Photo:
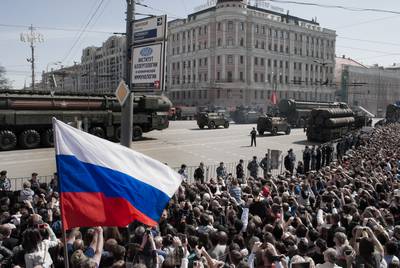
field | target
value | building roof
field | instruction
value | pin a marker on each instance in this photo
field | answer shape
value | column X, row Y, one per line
column 348, row 61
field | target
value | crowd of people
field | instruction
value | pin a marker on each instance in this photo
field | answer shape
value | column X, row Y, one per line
column 326, row 214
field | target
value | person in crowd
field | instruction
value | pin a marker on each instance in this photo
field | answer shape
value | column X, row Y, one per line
column 5, row 183
column 34, row 181
column 26, row 193
column 199, row 175
column 306, row 159
column 313, row 158
column 265, row 165
column 318, row 161
column 253, row 167
column 183, row 172
column 290, row 161
column 221, row 171
column 253, row 135
column 240, row 171
column 346, row 214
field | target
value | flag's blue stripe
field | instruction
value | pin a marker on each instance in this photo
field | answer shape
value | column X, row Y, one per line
column 77, row 176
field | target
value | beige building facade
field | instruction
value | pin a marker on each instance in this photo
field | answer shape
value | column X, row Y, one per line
column 235, row 54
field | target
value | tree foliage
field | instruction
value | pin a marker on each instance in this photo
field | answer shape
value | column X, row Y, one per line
column 4, row 83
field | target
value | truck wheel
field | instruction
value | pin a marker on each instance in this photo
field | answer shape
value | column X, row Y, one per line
column 8, row 140
column 48, row 138
column 29, row 139
column 98, row 131
column 201, row 126
column 261, row 132
column 211, row 125
column 287, row 132
column 137, row 133
column 117, row 134
column 274, row 131
column 226, row 125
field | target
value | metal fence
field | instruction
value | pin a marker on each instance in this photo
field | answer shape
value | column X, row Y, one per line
column 210, row 172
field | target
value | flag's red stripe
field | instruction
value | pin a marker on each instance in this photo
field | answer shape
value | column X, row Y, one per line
column 95, row 209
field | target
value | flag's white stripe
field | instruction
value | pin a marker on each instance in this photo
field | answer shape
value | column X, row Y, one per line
column 91, row 149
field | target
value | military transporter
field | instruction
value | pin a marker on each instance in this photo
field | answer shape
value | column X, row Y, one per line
column 274, row 125
column 26, row 117
column 212, row 120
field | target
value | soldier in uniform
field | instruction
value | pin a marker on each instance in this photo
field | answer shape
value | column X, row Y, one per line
column 253, row 167
column 253, row 134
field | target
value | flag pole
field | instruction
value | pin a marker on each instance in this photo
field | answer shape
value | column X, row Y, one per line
column 64, row 238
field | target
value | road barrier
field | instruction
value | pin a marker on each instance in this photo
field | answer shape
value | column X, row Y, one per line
column 210, row 172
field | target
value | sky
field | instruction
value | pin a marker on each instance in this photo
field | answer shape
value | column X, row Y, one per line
column 368, row 37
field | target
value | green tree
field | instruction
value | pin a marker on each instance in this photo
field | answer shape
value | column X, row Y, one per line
column 4, row 83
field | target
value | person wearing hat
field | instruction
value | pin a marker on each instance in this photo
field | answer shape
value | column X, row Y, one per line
column 289, row 161
column 253, row 167
column 199, row 173
column 5, row 183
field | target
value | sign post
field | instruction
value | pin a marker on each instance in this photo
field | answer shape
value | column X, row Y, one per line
column 148, row 55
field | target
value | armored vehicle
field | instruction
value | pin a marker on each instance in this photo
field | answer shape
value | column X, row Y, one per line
column 245, row 115
column 212, row 120
column 26, row 117
column 299, row 112
column 272, row 124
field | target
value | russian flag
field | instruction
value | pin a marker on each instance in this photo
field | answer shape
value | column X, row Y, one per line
column 105, row 184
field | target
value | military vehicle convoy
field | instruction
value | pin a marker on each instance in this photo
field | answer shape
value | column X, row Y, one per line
column 299, row 112
column 245, row 115
column 212, row 120
column 326, row 124
column 273, row 125
column 26, row 117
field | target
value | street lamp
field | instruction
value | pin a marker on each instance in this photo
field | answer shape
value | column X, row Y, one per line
column 47, row 71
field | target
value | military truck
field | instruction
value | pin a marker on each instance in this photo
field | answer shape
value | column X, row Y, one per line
column 212, row 120
column 26, row 117
column 273, row 125
column 245, row 115
column 299, row 112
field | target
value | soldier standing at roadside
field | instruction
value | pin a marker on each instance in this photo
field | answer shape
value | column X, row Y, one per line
column 253, row 134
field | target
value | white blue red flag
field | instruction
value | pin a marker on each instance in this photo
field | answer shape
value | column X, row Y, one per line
column 105, row 184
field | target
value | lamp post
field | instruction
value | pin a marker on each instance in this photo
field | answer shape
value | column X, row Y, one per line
column 47, row 71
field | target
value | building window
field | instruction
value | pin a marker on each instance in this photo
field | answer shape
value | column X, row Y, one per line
column 255, row 77
column 218, row 93
column 262, row 61
column 219, row 42
column 205, row 62
column 230, row 59
column 230, row 26
column 269, row 78
column 242, row 26
column 230, row 42
column 255, row 94
column 262, row 78
column 257, row 29
column 241, row 76
column 219, row 26
column 255, row 61
column 241, row 42
column 218, row 59
column 241, row 59
column 230, row 77
column 218, row 76
column 269, row 62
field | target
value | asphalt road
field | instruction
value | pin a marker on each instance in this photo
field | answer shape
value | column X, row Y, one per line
column 183, row 142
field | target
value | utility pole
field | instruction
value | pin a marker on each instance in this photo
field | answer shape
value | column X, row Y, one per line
column 32, row 37
column 127, row 108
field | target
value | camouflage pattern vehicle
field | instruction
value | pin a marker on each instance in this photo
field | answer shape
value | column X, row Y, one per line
column 26, row 117
column 245, row 115
column 272, row 124
column 212, row 120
